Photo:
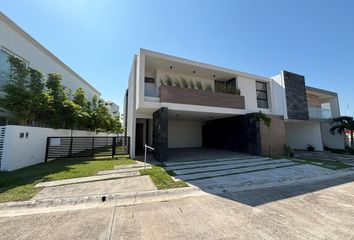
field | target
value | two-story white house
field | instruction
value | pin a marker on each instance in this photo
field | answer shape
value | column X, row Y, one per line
column 15, row 41
column 173, row 102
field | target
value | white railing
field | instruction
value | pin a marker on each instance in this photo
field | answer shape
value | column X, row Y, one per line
column 146, row 147
column 319, row 113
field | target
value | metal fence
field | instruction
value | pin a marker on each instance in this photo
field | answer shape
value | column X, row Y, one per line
column 71, row 147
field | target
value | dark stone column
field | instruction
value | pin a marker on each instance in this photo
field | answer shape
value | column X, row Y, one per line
column 160, row 134
column 296, row 98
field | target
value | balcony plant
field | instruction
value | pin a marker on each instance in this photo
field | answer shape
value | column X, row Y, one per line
column 199, row 85
column 208, row 87
column 310, row 147
column 191, row 84
column 184, row 83
column 168, row 81
column 177, row 83
column 162, row 82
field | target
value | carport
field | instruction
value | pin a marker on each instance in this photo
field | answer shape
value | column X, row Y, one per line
column 199, row 135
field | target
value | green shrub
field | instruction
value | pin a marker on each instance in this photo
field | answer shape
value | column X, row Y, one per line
column 310, row 147
column 184, row 83
column 177, row 83
column 336, row 150
column 162, row 82
column 208, row 87
column 191, row 84
column 168, row 81
column 289, row 151
column 199, row 85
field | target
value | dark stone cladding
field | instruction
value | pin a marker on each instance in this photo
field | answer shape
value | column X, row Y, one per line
column 160, row 134
column 239, row 133
column 296, row 99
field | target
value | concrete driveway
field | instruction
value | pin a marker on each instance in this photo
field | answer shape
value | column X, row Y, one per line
column 317, row 210
column 242, row 171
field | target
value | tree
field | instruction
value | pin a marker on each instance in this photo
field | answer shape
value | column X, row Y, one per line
column 341, row 124
column 58, row 100
column 17, row 97
column 32, row 100
column 38, row 98
column 267, row 121
column 80, row 100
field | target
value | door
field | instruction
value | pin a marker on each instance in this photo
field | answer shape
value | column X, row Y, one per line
column 139, row 139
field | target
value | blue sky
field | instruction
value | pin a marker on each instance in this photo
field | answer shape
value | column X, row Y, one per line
column 98, row 38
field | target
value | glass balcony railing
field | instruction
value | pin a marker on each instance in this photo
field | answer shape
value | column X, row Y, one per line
column 319, row 113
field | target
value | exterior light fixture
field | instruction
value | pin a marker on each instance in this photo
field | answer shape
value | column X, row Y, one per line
column 171, row 67
column 194, row 72
column 214, row 75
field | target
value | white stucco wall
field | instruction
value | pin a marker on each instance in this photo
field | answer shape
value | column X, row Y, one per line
column 131, row 111
column 330, row 140
column 279, row 98
column 21, row 152
column 300, row 134
column 184, row 134
column 12, row 40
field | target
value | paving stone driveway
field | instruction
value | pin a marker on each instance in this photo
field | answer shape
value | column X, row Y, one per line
column 327, row 156
column 245, row 171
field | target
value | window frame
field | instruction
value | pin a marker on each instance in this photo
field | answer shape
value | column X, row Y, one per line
column 9, row 52
column 149, row 78
column 266, row 99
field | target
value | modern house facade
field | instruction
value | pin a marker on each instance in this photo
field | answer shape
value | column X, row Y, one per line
column 112, row 107
column 173, row 102
column 16, row 42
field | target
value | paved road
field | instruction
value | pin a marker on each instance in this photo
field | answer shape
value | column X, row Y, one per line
column 321, row 210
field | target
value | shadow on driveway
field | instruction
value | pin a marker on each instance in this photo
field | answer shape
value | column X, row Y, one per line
column 256, row 197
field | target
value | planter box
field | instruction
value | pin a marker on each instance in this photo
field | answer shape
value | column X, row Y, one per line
column 197, row 97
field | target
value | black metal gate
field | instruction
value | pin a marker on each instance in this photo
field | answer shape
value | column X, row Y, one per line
column 72, row 147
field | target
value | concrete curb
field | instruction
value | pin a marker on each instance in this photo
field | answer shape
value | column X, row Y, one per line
column 116, row 199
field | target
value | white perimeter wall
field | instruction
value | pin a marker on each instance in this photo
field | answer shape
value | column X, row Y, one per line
column 21, row 152
column 184, row 134
column 329, row 140
column 300, row 134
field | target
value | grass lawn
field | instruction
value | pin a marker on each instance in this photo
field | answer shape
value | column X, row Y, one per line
column 19, row 184
column 161, row 178
column 334, row 165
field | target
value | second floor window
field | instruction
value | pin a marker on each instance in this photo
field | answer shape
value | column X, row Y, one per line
column 5, row 67
column 262, row 95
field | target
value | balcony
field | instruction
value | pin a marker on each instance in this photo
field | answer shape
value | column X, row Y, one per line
column 190, row 96
column 319, row 113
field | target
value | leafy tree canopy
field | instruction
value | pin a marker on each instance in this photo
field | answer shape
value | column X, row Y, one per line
column 34, row 99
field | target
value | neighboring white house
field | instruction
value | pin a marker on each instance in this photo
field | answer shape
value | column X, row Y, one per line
column 177, row 116
column 15, row 41
column 113, row 108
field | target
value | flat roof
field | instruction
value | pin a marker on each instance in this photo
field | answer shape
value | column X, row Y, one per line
column 321, row 91
column 203, row 65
